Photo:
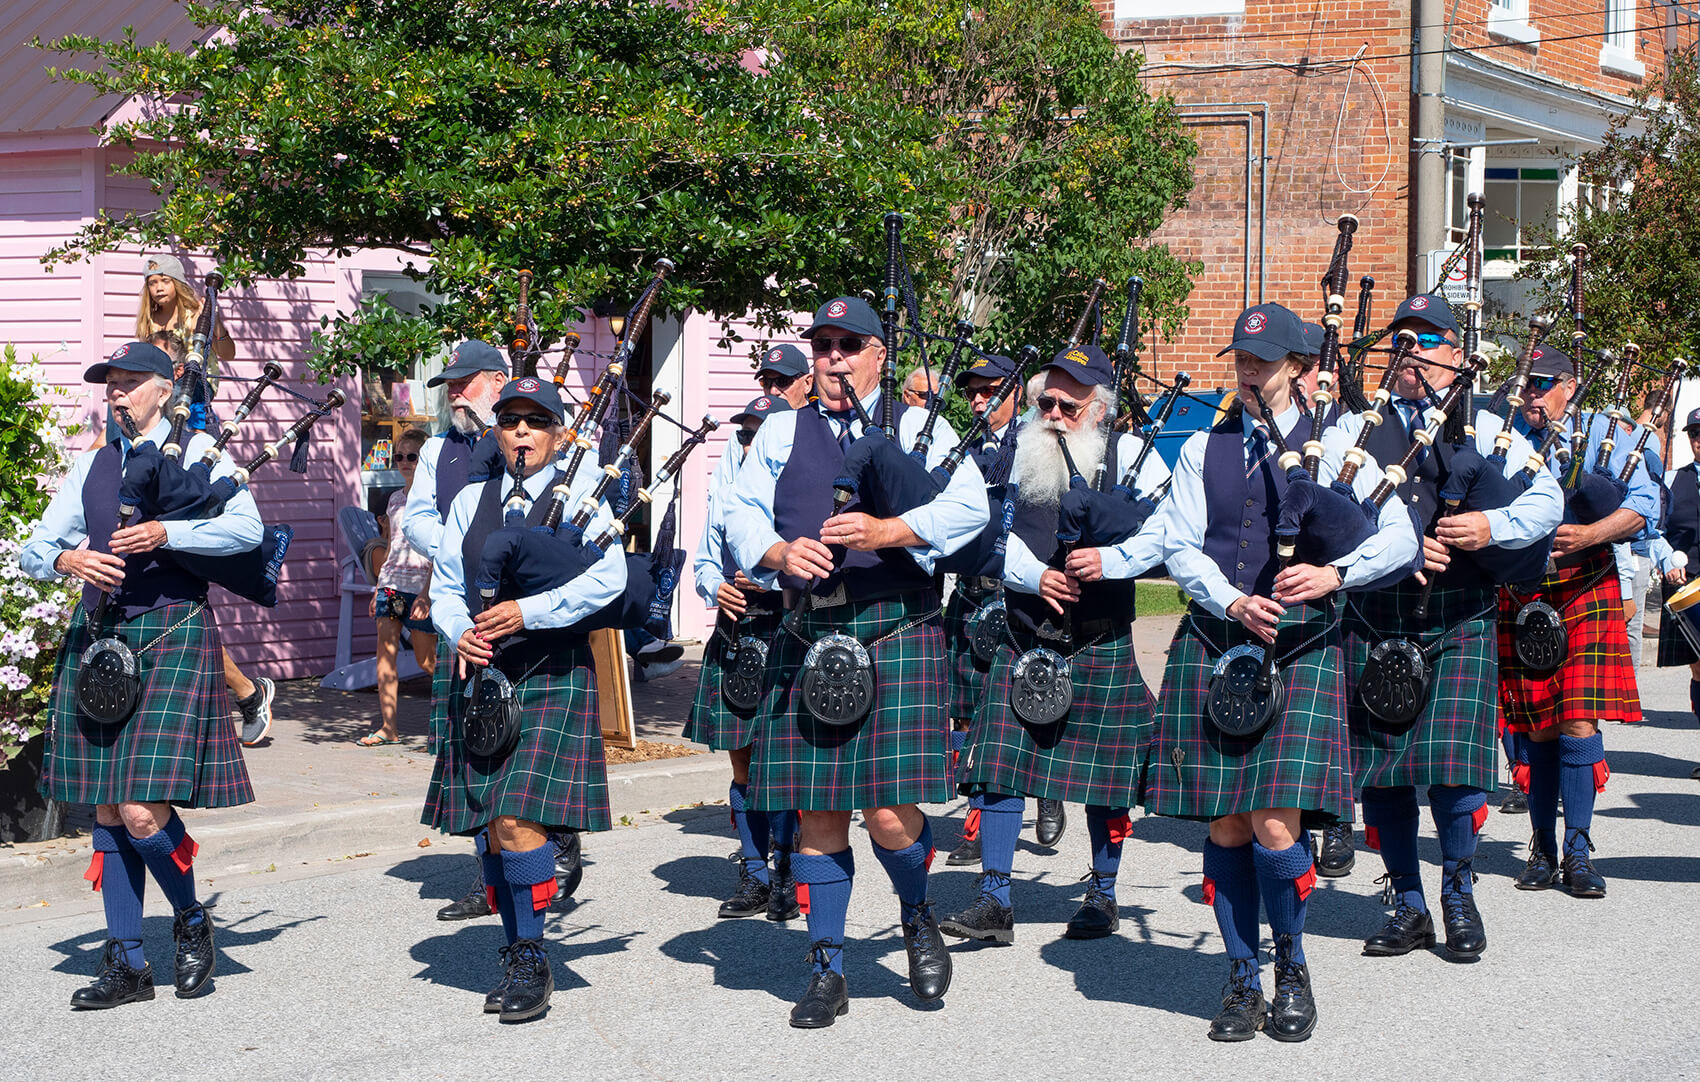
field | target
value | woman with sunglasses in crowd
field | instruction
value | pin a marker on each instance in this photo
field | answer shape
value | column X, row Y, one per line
column 400, row 597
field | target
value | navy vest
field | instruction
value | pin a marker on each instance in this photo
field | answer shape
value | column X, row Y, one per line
column 1240, row 512
column 1682, row 529
column 802, row 501
column 1036, row 525
column 1421, row 491
column 152, row 580
column 522, row 647
column 454, row 467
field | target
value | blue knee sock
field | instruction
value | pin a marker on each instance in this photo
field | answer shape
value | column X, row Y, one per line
column 1577, row 783
column 752, row 831
column 958, row 740
column 170, row 856
column 496, row 886
column 1107, row 828
column 118, row 873
column 1459, row 812
column 1230, row 888
column 907, row 868
column 530, row 875
column 783, row 825
column 1391, row 813
column 1000, row 827
column 1543, row 794
column 1285, row 878
column 823, row 893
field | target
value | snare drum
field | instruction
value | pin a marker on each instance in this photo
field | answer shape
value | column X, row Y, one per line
column 1683, row 609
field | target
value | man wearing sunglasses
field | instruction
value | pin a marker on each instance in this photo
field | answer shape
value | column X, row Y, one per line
column 1560, row 711
column 553, row 781
column 1078, row 604
column 1449, row 750
column 870, row 577
column 746, row 612
column 920, row 388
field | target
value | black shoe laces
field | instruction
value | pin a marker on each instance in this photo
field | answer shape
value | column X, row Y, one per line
column 1240, row 994
column 822, row 952
column 115, row 973
column 1289, row 974
column 1456, row 903
column 527, row 960
column 1096, row 895
column 918, row 921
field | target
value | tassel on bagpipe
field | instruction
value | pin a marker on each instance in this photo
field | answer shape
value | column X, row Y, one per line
column 1328, row 363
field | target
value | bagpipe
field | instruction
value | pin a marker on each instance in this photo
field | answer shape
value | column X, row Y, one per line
column 837, row 679
column 1041, row 687
column 1328, row 362
column 192, row 386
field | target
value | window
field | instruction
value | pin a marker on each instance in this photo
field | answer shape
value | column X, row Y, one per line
column 1457, row 188
column 1510, row 19
column 1176, row 9
column 1617, row 45
column 1522, row 204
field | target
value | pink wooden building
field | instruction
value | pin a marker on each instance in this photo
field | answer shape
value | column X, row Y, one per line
column 55, row 177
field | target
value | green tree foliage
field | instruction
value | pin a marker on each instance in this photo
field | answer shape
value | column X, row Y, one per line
column 1643, row 244
column 754, row 142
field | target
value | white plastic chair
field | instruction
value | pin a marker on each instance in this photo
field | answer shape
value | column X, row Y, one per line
column 359, row 528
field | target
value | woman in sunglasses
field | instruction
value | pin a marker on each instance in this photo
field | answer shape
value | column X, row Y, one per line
column 400, row 597
column 1259, row 792
column 553, row 779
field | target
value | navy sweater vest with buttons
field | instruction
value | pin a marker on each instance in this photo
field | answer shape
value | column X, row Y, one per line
column 152, row 580
column 1036, row 525
column 1240, row 512
column 1421, row 490
column 454, row 467
column 1682, row 527
column 521, row 648
column 802, row 501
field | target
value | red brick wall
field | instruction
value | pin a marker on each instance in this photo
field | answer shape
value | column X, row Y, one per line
column 1576, row 60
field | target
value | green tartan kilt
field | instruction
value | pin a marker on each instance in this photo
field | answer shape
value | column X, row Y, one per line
column 967, row 673
column 1453, row 740
column 556, row 776
column 894, row 755
column 1094, row 755
column 441, row 681
column 712, row 722
column 179, row 747
column 1301, row 760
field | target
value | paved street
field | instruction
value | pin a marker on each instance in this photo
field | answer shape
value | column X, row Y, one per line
column 338, row 970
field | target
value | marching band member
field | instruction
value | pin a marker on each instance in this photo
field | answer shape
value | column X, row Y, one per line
column 554, row 778
column 892, row 757
column 1093, row 752
column 1449, row 748
column 747, row 612
column 1561, row 709
column 1682, row 534
column 1259, row 792
column 176, row 748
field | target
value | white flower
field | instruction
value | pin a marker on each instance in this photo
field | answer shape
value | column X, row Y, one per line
column 13, row 679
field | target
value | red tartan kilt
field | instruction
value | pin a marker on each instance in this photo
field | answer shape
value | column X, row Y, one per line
column 1596, row 681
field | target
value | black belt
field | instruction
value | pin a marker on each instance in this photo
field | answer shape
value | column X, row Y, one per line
column 978, row 587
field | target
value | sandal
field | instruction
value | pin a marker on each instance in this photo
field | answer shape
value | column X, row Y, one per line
column 377, row 740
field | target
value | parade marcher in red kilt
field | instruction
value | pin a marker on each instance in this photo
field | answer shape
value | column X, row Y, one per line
column 747, row 613
column 555, row 776
column 1259, row 792
column 1449, row 747
column 1093, row 753
column 870, row 577
column 177, row 748
column 1561, row 710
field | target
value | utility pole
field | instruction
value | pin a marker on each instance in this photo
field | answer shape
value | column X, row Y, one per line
column 1428, row 139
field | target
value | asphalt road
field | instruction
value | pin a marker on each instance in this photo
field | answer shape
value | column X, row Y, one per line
column 342, row 972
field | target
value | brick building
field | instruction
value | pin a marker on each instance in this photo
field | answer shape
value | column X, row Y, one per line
column 1306, row 111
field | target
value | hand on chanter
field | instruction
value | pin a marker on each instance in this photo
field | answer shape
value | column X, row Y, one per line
column 1260, row 615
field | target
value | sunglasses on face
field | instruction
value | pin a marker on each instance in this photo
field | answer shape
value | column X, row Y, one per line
column 1543, row 384
column 1070, row 408
column 772, row 381
column 1432, row 341
column 511, row 421
column 846, row 344
column 411, row 456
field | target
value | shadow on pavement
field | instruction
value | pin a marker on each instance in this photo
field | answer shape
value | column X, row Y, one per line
column 1124, row 968
column 82, row 952
column 467, row 957
column 442, row 875
column 699, row 877
column 1651, row 764
column 747, row 954
column 1681, row 809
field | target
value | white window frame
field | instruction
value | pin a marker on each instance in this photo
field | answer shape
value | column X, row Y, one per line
column 1133, row 10
column 1509, row 19
column 1617, row 40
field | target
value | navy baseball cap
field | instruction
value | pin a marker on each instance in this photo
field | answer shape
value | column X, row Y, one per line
column 1268, row 332
column 786, row 360
column 1313, row 338
column 1429, row 308
column 131, row 357
column 1551, row 361
column 536, row 391
column 852, row 314
column 1085, row 364
column 760, row 409
column 468, row 359
column 992, row 366
column 1693, row 421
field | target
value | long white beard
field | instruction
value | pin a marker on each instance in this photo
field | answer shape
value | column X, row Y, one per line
column 1039, row 468
column 467, row 424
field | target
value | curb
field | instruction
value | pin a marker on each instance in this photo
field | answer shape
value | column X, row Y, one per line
column 51, row 872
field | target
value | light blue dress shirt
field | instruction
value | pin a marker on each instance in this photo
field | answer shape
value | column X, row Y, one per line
column 1022, row 570
column 560, row 607
column 1643, row 496
column 238, row 529
column 952, row 519
column 705, row 563
column 1393, row 544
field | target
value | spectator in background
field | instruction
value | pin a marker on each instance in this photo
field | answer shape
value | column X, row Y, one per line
column 920, row 388
column 401, row 597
